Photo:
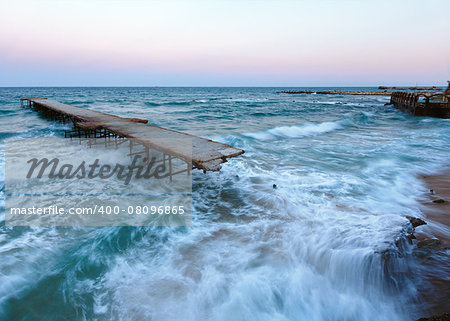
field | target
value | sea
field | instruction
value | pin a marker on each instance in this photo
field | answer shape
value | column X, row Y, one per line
column 309, row 224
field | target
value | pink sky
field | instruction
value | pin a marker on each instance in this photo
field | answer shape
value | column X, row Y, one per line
column 224, row 43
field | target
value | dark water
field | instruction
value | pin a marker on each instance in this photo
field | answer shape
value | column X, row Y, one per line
column 322, row 246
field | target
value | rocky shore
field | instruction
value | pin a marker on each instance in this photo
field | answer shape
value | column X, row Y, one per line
column 442, row 317
column 432, row 246
column 437, row 205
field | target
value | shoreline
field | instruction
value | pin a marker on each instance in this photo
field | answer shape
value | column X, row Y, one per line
column 432, row 243
column 436, row 206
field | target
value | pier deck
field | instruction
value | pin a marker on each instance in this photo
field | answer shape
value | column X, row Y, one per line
column 204, row 154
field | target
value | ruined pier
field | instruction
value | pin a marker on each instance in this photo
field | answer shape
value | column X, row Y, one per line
column 197, row 152
column 422, row 104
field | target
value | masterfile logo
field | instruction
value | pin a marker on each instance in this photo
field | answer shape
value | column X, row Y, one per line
column 139, row 168
column 58, row 182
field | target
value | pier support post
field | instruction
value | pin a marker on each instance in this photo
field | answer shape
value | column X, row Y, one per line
column 131, row 148
column 170, row 167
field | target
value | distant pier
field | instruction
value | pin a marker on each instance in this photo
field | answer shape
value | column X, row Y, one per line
column 197, row 152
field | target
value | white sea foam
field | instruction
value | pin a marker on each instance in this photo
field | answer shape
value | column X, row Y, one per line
column 309, row 129
column 301, row 256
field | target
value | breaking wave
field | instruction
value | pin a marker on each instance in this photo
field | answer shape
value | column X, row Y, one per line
column 310, row 129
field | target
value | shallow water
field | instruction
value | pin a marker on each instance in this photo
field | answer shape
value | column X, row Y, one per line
column 321, row 246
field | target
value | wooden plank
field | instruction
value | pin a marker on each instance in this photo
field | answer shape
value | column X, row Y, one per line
column 204, row 154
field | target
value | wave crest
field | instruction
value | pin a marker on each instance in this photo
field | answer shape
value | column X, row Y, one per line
column 310, row 129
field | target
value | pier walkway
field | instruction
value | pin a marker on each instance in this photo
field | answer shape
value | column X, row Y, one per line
column 202, row 153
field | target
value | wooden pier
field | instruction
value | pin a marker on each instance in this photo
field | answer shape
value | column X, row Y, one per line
column 197, row 152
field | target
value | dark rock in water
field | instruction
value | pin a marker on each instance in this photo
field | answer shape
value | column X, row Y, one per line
column 439, row 201
column 429, row 244
column 426, row 249
column 387, row 104
column 411, row 236
column 274, row 185
column 443, row 317
column 387, row 254
column 415, row 221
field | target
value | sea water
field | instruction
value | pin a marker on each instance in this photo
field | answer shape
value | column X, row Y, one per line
column 322, row 245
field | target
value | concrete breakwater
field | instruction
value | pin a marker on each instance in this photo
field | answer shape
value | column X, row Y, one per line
column 357, row 92
column 412, row 88
column 431, row 102
column 337, row 92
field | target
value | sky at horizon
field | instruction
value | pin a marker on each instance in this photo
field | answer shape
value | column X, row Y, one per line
column 224, row 43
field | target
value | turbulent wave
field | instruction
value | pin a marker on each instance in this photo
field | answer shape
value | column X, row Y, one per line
column 152, row 104
column 295, row 131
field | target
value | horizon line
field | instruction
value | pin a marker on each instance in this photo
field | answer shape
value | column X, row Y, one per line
column 198, row 86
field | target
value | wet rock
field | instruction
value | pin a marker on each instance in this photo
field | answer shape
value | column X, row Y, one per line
column 439, row 201
column 415, row 221
column 387, row 254
column 429, row 244
column 442, row 317
column 411, row 237
column 274, row 185
column 425, row 249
